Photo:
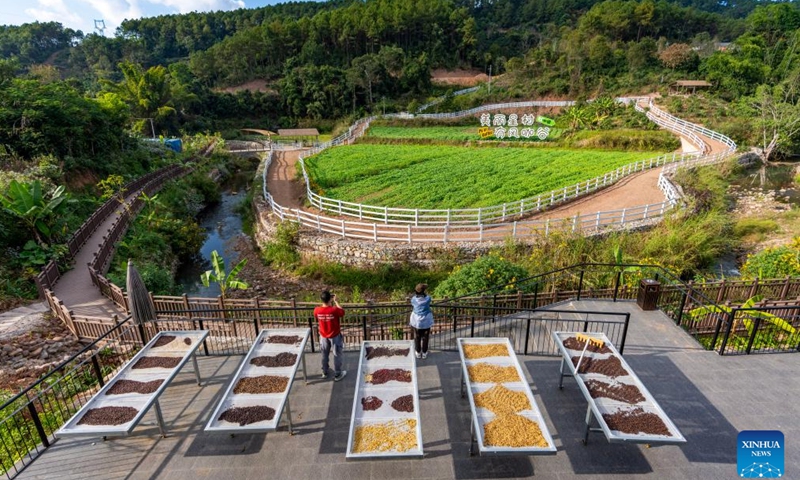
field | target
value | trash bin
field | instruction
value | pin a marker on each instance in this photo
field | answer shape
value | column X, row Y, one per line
column 649, row 291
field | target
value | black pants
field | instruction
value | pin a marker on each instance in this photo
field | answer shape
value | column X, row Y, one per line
column 421, row 336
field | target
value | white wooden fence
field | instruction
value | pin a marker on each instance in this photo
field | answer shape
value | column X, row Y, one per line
column 507, row 211
column 497, row 223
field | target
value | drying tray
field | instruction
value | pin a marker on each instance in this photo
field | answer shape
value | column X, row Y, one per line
column 141, row 402
column 276, row 401
column 602, row 405
column 386, row 392
column 481, row 416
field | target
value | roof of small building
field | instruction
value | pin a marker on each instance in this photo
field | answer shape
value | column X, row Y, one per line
column 298, row 132
column 691, row 83
column 259, row 131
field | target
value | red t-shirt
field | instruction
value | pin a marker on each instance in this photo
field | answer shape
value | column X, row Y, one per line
column 328, row 318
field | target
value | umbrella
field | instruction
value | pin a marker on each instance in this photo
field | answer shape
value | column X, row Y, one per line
column 141, row 305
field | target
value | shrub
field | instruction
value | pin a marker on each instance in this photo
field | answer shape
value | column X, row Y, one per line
column 282, row 250
column 484, row 273
column 774, row 262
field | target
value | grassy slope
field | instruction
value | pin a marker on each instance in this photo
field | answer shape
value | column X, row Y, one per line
column 458, row 133
column 454, row 177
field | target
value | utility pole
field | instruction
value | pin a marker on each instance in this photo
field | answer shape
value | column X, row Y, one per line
column 490, row 78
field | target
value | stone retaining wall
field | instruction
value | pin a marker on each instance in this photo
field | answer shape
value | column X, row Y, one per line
column 367, row 253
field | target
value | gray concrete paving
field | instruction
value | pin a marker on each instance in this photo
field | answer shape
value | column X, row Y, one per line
column 710, row 399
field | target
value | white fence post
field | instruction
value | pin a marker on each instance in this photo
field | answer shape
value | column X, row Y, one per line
column 375, row 232
column 319, row 225
column 360, row 212
column 514, row 231
column 622, row 219
column 504, row 212
column 344, row 235
column 480, row 239
column 416, row 217
column 446, row 228
column 597, row 224
column 409, row 233
column 386, row 215
column 646, row 207
column 547, row 228
column 574, row 222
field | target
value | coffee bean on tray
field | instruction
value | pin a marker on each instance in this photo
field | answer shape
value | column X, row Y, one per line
column 610, row 367
column 404, row 403
column 284, row 339
column 621, row 392
column 157, row 362
column 636, row 421
column 132, row 386
column 371, row 403
column 375, row 352
column 163, row 340
column 283, row 359
column 247, row 415
column 573, row 343
column 108, row 416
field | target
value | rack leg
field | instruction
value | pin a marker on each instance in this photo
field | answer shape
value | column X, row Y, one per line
column 463, row 384
column 305, row 372
column 160, row 419
column 588, row 425
column 471, row 437
column 289, row 416
column 196, row 369
column 561, row 375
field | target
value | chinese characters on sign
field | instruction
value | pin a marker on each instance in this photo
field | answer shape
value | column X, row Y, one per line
column 503, row 126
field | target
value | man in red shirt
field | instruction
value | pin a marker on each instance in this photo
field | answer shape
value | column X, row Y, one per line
column 330, row 334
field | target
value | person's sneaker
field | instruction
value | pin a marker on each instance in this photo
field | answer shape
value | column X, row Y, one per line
column 424, row 354
column 339, row 375
column 419, row 355
column 324, row 376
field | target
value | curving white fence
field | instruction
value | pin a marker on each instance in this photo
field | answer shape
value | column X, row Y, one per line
column 405, row 225
column 497, row 213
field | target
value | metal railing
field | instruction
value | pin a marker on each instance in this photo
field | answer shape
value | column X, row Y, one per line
column 29, row 419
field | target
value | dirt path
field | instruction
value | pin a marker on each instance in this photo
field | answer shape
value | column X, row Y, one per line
column 281, row 182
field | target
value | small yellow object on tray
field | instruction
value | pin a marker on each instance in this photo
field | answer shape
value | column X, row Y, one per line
column 488, row 373
column 472, row 350
column 511, row 430
column 393, row 436
column 500, row 400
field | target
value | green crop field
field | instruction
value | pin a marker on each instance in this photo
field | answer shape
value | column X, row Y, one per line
column 453, row 133
column 416, row 176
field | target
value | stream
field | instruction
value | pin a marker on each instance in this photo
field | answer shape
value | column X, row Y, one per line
column 223, row 226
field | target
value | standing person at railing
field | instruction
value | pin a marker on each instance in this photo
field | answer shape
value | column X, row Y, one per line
column 329, row 315
column 421, row 319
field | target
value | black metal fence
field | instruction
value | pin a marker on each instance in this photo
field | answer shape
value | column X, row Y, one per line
column 29, row 419
column 759, row 330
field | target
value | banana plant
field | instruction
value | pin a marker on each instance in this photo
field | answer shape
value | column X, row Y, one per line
column 749, row 321
column 218, row 275
column 28, row 204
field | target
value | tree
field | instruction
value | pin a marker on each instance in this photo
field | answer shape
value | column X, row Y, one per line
column 27, row 203
column 776, row 118
column 147, row 92
column 678, row 55
column 218, row 275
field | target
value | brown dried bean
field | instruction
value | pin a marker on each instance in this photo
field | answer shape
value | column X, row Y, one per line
column 108, row 416
column 283, row 359
column 132, row 386
column 157, row 362
column 610, row 367
column 385, row 375
column 371, row 403
column 573, row 343
column 618, row 391
column 636, row 421
column 283, row 339
column 404, row 403
column 375, row 352
column 163, row 340
column 247, row 415
column 261, row 384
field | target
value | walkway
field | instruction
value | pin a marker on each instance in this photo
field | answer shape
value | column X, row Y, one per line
column 75, row 288
column 710, row 398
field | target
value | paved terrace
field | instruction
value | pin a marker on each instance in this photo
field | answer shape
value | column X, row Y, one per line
column 710, row 398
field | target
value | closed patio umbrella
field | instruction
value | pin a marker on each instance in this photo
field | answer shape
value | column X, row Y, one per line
column 142, row 308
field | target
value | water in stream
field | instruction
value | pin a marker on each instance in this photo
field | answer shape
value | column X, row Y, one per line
column 223, row 226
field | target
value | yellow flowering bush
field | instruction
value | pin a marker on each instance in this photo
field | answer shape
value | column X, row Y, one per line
column 774, row 262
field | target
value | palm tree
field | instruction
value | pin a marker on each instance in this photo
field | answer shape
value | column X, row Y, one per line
column 576, row 116
column 218, row 275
